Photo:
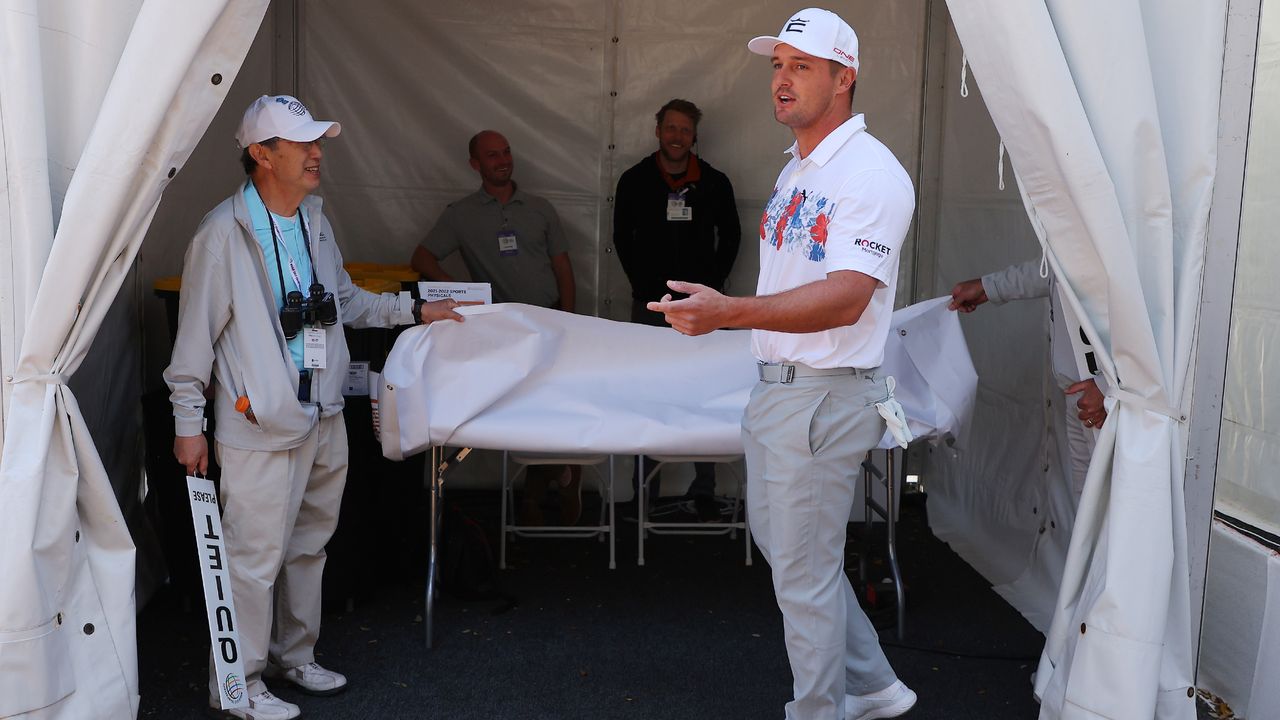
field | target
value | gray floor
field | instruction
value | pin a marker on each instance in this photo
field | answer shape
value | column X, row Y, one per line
column 693, row 634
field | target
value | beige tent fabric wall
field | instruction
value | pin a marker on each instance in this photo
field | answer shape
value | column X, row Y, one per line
column 413, row 81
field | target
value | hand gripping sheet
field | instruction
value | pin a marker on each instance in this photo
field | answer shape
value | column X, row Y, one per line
column 522, row 378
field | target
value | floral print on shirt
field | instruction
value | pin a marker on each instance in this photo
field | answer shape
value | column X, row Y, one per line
column 796, row 221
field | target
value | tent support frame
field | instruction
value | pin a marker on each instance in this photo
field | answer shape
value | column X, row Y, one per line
column 1217, row 289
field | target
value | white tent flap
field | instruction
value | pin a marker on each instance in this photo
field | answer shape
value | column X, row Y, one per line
column 1112, row 135
column 67, row 645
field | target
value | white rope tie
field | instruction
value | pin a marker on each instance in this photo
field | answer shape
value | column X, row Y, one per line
column 45, row 378
column 964, row 75
column 1124, row 396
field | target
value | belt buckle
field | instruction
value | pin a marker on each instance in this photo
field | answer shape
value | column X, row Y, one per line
column 786, row 374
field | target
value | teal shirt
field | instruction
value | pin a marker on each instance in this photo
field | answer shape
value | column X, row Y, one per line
column 295, row 244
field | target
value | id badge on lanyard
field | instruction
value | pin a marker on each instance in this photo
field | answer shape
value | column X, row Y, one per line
column 507, row 245
column 677, row 210
column 313, row 348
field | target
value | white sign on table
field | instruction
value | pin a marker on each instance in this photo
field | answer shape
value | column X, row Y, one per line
column 460, row 291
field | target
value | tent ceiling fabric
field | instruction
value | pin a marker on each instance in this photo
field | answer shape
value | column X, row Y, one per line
column 1112, row 133
column 128, row 90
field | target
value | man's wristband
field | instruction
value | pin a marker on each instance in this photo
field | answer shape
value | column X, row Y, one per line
column 417, row 310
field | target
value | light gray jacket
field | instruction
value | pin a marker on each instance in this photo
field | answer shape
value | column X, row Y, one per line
column 228, row 324
column 1023, row 282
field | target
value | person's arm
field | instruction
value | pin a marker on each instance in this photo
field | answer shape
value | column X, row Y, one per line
column 1016, row 282
column 428, row 265
column 728, row 233
column 835, row 301
column 558, row 252
column 438, row 243
column 563, row 271
column 204, row 308
column 360, row 308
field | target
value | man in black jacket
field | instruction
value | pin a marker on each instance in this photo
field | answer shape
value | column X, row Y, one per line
column 674, row 217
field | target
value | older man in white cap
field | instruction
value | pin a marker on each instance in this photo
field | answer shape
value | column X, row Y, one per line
column 262, row 274
column 829, row 244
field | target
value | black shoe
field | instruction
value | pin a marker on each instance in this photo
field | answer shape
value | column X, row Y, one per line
column 707, row 508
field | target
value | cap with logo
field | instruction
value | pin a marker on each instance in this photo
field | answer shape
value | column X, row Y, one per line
column 814, row 31
column 282, row 116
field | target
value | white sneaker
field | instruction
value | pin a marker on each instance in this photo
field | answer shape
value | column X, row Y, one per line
column 888, row 703
column 311, row 678
column 263, row 706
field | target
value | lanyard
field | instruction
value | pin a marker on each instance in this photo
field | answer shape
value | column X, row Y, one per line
column 278, row 239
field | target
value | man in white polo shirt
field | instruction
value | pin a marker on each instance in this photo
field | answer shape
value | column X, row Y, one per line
column 829, row 244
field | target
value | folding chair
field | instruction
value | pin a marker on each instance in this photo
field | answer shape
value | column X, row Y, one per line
column 523, row 461
column 737, row 519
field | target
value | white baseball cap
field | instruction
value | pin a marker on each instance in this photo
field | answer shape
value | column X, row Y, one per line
column 813, row 31
column 282, row 116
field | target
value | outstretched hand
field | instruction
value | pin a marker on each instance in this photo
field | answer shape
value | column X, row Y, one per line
column 442, row 310
column 967, row 296
column 1092, row 410
column 700, row 313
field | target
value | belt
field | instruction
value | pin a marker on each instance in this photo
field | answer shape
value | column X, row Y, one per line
column 785, row 373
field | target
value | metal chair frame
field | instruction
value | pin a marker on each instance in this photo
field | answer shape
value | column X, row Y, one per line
column 738, row 520
column 605, row 526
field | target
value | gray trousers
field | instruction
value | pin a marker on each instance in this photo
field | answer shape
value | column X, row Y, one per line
column 279, row 509
column 804, row 444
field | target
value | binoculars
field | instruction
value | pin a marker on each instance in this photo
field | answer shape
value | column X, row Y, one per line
column 315, row 308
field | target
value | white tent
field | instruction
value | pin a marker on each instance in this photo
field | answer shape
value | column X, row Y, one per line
column 1109, row 111
column 1114, row 153
column 127, row 94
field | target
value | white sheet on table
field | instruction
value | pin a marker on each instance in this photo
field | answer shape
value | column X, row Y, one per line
column 517, row 377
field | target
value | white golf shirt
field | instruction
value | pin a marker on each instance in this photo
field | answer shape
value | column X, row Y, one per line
column 847, row 206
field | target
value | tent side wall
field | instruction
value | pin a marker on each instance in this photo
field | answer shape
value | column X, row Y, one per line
column 987, row 497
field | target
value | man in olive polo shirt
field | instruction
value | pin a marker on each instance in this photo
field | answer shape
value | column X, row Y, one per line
column 513, row 241
column 507, row 237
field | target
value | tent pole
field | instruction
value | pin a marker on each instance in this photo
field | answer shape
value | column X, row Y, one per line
column 924, row 255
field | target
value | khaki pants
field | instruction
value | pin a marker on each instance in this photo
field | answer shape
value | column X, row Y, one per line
column 805, row 442
column 279, row 509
